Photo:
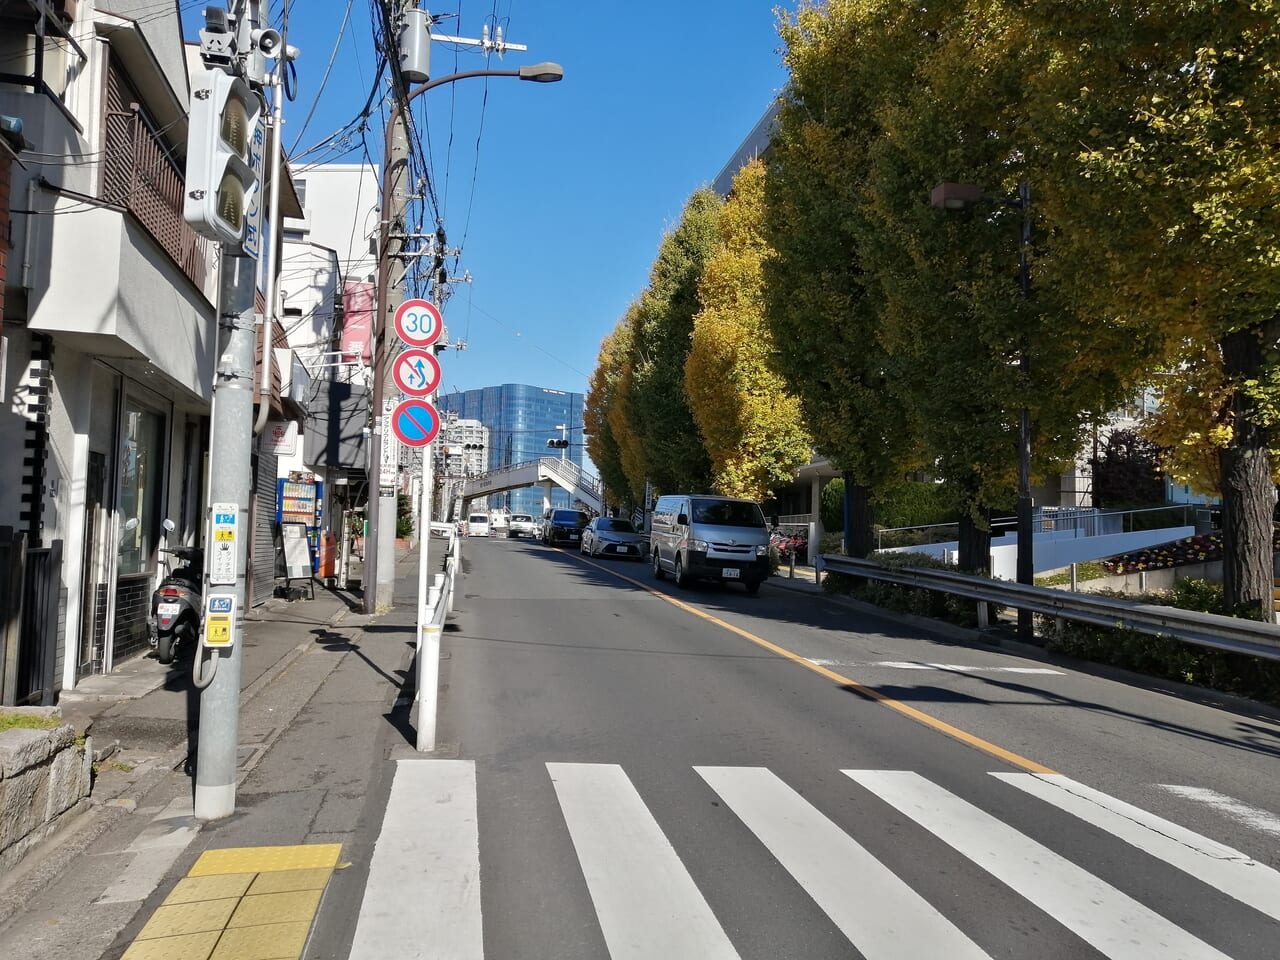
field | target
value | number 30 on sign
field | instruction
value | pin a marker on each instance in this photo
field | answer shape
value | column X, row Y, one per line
column 418, row 323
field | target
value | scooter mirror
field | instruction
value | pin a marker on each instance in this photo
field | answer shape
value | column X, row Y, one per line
column 169, row 525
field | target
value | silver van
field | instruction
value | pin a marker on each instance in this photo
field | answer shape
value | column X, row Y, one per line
column 701, row 536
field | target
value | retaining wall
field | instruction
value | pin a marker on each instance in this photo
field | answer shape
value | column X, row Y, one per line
column 44, row 779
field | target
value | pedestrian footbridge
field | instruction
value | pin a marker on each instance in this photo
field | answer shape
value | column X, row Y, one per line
column 544, row 472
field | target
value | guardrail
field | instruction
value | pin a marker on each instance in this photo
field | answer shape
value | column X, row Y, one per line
column 439, row 604
column 1232, row 634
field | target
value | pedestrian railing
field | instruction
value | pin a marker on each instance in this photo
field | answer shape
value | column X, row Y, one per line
column 439, row 601
column 1232, row 634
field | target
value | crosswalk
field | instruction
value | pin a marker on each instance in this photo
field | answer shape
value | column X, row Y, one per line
column 423, row 896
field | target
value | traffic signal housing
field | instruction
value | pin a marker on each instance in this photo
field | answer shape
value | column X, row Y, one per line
column 223, row 137
column 557, row 444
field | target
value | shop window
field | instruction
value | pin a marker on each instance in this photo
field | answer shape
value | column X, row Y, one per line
column 142, row 468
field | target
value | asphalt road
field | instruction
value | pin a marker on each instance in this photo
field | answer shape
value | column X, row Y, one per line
column 699, row 773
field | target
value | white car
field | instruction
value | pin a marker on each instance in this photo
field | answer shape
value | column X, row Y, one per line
column 612, row 537
column 522, row 525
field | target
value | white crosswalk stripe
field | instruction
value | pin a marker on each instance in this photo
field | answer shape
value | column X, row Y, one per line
column 873, row 907
column 422, row 898
column 1230, row 871
column 1113, row 923
column 423, row 895
column 648, row 906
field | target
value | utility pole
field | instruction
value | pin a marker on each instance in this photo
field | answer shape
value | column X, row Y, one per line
column 414, row 55
column 224, row 168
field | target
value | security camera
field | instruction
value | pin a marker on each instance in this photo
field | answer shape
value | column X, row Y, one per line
column 266, row 41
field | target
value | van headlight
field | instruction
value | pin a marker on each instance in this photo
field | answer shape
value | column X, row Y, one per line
column 701, row 545
column 762, row 549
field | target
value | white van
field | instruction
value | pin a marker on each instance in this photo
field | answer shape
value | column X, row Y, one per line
column 478, row 525
column 701, row 536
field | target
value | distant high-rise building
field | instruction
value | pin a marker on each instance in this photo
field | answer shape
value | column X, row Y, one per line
column 521, row 419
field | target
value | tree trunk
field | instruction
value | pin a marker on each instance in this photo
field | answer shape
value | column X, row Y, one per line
column 975, row 547
column 1248, row 494
column 862, row 535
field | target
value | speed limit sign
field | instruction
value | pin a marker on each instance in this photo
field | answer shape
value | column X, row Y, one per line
column 418, row 323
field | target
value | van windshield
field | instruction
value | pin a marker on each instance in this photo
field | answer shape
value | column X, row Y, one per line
column 477, row 518
column 727, row 513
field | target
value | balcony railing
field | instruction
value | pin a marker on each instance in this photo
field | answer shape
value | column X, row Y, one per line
column 139, row 175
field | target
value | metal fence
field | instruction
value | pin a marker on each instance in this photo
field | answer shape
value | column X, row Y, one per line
column 29, row 579
column 1232, row 634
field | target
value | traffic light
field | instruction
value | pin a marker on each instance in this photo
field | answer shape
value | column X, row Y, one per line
column 557, row 444
column 223, row 137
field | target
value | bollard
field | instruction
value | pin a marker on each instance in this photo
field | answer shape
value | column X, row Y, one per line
column 791, row 574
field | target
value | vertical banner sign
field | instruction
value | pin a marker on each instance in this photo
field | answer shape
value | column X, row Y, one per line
column 390, row 450
column 252, row 242
column 222, row 560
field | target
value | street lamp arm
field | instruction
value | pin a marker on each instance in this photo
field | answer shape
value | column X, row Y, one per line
column 537, row 73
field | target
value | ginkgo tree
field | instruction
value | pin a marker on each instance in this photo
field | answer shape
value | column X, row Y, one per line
column 822, row 318
column 750, row 423
column 1161, row 123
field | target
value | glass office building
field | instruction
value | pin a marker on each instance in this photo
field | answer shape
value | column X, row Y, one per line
column 521, row 419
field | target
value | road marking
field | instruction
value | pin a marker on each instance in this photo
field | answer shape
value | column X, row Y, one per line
column 1234, row 873
column 872, row 906
column 647, row 904
column 423, row 890
column 871, row 693
column 1254, row 817
column 1113, row 923
column 947, row 667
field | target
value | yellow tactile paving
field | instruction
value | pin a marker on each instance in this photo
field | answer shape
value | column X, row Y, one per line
column 240, row 903
column 287, row 880
column 266, row 859
column 219, row 887
column 292, row 907
column 275, row 941
column 194, row 946
column 183, row 918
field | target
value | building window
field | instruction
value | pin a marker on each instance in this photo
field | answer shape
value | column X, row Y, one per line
column 142, row 461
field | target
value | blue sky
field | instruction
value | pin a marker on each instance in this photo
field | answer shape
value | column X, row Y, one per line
column 558, row 193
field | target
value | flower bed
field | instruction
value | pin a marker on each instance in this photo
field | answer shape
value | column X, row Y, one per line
column 1202, row 548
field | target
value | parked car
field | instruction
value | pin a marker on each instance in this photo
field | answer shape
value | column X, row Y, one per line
column 611, row 537
column 522, row 525
column 564, row 526
column 706, row 537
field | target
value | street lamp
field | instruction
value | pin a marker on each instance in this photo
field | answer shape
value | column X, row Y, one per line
column 959, row 196
column 535, row 73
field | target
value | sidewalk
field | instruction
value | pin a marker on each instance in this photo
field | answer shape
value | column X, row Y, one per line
column 314, row 673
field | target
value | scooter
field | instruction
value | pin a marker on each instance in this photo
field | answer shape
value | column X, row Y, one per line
column 176, row 605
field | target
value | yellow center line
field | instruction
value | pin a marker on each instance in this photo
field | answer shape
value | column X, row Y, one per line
column 941, row 726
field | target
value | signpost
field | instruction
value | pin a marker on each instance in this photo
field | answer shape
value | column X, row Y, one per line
column 418, row 323
column 415, row 422
column 416, row 372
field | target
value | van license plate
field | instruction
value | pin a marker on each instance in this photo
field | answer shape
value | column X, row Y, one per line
column 729, row 573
